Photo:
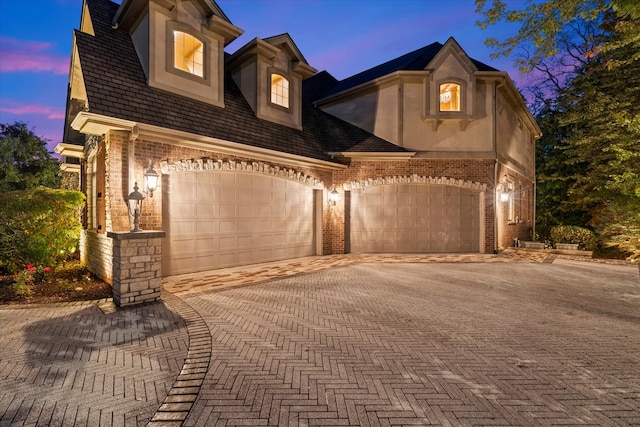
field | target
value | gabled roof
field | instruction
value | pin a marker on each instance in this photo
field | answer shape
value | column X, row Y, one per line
column 116, row 87
column 412, row 61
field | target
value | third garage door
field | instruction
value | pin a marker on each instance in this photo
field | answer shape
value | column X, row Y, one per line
column 414, row 218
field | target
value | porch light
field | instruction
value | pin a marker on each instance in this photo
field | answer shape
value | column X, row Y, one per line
column 333, row 197
column 134, row 202
column 150, row 180
column 507, row 188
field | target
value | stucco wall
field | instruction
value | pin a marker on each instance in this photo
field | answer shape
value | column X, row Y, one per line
column 515, row 142
column 161, row 72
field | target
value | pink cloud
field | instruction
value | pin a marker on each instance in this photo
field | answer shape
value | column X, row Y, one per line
column 23, row 55
column 21, row 109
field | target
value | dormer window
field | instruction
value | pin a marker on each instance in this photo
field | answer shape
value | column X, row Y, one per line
column 279, row 90
column 450, row 97
column 188, row 53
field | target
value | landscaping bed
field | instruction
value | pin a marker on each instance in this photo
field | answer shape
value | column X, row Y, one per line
column 71, row 282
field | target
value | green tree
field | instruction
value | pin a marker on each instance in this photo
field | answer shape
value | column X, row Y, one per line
column 600, row 111
column 584, row 56
column 24, row 160
column 556, row 38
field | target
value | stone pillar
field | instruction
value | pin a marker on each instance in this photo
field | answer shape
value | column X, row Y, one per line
column 137, row 264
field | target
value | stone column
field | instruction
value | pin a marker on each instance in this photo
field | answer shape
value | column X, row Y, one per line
column 137, row 264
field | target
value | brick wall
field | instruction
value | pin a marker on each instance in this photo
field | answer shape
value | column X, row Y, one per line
column 333, row 217
column 96, row 251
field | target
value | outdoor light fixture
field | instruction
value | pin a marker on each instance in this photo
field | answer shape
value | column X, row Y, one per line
column 150, row 180
column 507, row 187
column 333, row 197
column 504, row 195
column 134, row 202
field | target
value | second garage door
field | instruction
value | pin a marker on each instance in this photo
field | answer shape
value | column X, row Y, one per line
column 217, row 219
column 414, row 218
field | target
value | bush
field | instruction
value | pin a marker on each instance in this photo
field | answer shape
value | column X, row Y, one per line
column 40, row 226
column 585, row 238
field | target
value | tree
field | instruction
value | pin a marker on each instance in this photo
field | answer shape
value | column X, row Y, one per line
column 585, row 59
column 24, row 160
column 600, row 111
column 558, row 37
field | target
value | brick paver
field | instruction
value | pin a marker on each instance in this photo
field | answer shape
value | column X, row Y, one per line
column 426, row 344
column 522, row 338
column 75, row 365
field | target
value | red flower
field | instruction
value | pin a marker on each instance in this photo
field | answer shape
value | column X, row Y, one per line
column 47, row 269
column 29, row 266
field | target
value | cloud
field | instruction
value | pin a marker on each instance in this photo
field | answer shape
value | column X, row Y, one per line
column 17, row 108
column 23, row 55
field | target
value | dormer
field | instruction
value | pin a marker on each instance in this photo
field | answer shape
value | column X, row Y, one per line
column 450, row 90
column 180, row 44
column 269, row 73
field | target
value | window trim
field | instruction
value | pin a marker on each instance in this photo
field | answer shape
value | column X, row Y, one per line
column 172, row 27
column 288, row 78
column 463, row 98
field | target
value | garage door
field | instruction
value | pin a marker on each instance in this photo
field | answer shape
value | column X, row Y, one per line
column 224, row 219
column 414, row 218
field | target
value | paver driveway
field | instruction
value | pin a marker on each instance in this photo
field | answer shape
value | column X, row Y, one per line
column 421, row 344
column 514, row 339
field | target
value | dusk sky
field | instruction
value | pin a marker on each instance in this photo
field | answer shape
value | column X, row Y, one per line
column 343, row 37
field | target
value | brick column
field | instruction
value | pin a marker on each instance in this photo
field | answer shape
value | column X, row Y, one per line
column 137, row 275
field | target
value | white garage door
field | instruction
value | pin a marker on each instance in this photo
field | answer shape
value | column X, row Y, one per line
column 223, row 219
column 414, row 218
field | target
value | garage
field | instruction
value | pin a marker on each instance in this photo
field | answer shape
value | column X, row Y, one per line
column 414, row 218
column 219, row 219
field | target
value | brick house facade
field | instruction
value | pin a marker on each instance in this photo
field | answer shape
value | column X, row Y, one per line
column 421, row 150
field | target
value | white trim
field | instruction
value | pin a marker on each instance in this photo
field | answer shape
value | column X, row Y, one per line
column 189, row 140
column 415, row 179
column 374, row 156
column 262, row 168
column 70, row 150
column 96, row 124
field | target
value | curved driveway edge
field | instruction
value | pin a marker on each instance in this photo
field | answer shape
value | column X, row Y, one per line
column 184, row 392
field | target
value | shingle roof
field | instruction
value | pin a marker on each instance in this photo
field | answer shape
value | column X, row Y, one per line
column 412, row 61
column 116, row 87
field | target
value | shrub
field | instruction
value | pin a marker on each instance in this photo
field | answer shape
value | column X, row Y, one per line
column 585, row 238
column 40, row 226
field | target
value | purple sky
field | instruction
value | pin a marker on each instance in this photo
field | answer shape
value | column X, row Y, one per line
column 343, row 37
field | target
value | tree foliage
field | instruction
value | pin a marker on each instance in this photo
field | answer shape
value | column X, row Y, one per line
column 585, row 59
column 556, row 38
column 24, row 160
column 39, row 226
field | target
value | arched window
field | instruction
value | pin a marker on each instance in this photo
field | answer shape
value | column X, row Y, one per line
column 279, row 90
column 188, row 53
column 450, row 97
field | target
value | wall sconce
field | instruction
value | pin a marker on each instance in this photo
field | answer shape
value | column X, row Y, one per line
column 150, row 180
column 504, row 195
column 507, row 188
column 134, row 203
column 333, row 197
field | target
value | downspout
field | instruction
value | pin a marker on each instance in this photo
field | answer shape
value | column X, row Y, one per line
column 494, row 135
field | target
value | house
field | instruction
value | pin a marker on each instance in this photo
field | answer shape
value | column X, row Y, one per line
column 430, row 152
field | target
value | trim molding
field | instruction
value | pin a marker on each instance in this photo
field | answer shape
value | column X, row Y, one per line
column 415, row 179
column 262, row 168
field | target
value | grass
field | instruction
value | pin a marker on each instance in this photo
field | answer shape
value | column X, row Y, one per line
column 70, row 282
